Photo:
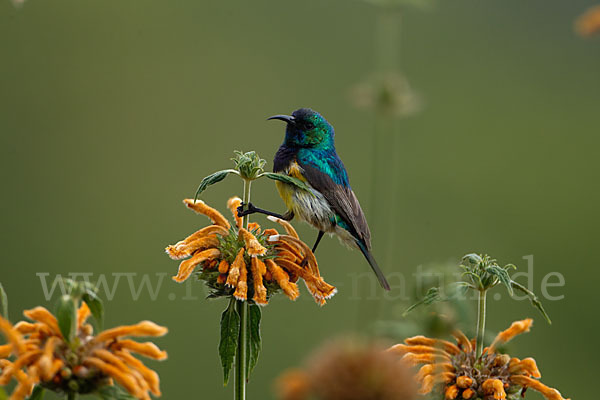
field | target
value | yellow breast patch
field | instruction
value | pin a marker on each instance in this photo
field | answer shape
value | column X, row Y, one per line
column 295, row 171
column 287, row 191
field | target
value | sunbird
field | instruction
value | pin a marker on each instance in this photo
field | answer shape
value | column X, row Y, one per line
column 308, row 154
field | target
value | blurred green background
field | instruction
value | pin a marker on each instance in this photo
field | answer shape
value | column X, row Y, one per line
column 111, row 113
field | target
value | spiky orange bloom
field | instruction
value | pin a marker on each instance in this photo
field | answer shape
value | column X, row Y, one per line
column 248, row 264
column 37, row 354
column 455, row 370
column 589, row 23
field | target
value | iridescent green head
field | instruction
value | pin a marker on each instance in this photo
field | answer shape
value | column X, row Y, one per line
column 306, row 128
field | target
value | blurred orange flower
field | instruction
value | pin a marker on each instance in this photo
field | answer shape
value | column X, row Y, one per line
column 588, row 24
column 349, row 370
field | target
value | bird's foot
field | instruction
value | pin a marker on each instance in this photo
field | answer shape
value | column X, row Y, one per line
column 304, row 262
column 250, row 210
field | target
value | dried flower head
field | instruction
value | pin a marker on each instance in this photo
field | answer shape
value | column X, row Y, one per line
column 390, row 94
column 18, row 3
column 248, row 263
column 349, row 370
column 456, row 371
column 589, row 23
column 38, row 354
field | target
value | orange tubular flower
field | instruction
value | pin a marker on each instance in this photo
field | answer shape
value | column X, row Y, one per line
column 245, row 262
column 459, row 374
column 39, row 355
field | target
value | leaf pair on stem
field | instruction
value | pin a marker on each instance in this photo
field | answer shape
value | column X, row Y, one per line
column 230, row 332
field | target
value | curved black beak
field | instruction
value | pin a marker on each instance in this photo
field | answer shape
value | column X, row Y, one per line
column 286, row 118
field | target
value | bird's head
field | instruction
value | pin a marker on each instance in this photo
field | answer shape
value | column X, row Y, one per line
column 306, row 128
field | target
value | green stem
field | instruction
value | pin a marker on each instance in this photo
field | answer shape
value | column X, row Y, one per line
column 481, row 322
column 246, row 200
column 71, row 396
column 239, row 392
column 240, row 364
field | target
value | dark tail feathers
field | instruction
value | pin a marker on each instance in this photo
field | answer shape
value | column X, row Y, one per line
column 382, row 281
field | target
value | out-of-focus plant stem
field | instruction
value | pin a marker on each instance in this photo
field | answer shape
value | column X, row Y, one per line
column 481, row 321
column 239, row 392
column 386, row 38
column 389, row 24
column 384, row 171
column 72, row 396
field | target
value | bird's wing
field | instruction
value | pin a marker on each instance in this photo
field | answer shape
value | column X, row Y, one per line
column 339, row 195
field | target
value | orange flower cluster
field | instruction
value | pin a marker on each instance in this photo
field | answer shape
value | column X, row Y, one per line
column 248, row 263
column 41, row 356
column 460, row 374
column 589, row 23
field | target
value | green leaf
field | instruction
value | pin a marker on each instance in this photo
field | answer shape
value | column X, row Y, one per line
column 457, row 290
column 431, row 296
column 230, row 332
column 3, row 395
column 212, row 179
column 3, row 303
column 287, row 179
column 66, row 314
column 113, row 393
column 532, row 297
column 502, row 275
column 88, row 287
column 254, row 341
column 96, row 307
column 38, row 393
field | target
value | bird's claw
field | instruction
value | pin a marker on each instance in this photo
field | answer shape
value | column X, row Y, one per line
column 242, row 213
column 240, row 210
column 304, row 262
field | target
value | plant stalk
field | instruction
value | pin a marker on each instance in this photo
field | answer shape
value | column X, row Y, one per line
column 239, row 392
column 481, row 322
column 71, row 396
column 246, row 200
